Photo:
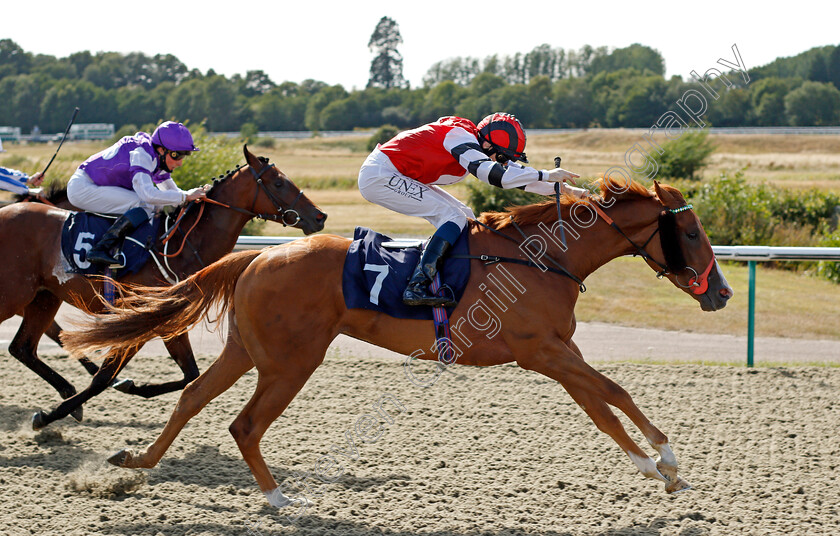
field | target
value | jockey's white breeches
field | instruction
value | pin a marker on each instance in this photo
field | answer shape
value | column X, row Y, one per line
column 86, row 195
column 381, row 183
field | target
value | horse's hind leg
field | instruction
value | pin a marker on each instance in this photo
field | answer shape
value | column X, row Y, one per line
column 100, row 381
column 233, row 362
column 37, row 316
column 181, row 351
column 593, row 391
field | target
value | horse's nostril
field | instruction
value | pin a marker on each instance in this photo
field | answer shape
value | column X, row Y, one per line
column 321, row 217
column 726, row 293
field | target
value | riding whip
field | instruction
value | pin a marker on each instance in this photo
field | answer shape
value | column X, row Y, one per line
column 559, row 216
column 64, row 137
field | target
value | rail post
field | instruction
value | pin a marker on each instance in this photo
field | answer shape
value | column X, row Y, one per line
column 751, row 316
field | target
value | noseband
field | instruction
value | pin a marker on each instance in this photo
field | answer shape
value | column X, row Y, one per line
column 279, row 214
column 698, row 284
column 282, row 211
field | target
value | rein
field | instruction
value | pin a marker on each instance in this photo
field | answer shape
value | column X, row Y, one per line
column 278, row 215
column 493, row 259
column 698, row 284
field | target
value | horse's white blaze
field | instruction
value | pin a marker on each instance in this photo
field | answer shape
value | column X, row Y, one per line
column 647, row 466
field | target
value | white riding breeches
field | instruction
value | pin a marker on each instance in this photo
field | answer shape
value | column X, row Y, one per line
column 86, row 195
column 381, row 183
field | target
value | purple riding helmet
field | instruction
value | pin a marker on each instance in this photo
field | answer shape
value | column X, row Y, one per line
column 174, row 137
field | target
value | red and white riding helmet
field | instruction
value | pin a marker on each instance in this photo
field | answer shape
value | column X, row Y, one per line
column 504, row 132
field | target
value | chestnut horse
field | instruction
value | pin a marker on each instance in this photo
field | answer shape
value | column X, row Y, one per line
column 285, row 306
column 35, row 281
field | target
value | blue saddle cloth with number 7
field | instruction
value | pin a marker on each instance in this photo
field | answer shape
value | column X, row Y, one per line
column 375, row 277
column 82, row 231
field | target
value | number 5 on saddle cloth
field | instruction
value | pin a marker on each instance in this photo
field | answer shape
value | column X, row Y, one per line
column 82, row 230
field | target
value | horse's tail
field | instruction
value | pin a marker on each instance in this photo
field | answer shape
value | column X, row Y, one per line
column 143, row 313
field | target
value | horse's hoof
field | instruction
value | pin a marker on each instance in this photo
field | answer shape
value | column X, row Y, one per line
column 677, row 486
column 120, row 458
column 78, row 413
column 38, row 421
column 123, row 386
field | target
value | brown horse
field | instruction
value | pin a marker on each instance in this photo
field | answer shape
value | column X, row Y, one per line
column 285, row 306
column 35, row 281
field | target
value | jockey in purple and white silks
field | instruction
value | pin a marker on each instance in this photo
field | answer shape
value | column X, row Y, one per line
column 132, row 178
column 403, row 175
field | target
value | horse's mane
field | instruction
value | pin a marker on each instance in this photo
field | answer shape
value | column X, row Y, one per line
column 612, row 190
column 54, row 193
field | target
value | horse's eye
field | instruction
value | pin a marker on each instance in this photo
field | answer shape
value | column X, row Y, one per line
column 278, row 184
column 692, row 236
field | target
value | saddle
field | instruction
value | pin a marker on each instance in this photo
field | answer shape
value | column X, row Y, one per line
column 82, row 230
column 377, row 270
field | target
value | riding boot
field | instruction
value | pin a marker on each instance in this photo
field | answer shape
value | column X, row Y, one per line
column 114, row 236
column 417, row 292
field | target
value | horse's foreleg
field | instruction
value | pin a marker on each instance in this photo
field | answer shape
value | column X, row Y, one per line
column 218, row 378
column 36, row 317
column 181, row 351
column 101, row 380
column 593, row 391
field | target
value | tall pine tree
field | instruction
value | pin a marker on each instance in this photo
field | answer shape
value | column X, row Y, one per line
column 386, row 67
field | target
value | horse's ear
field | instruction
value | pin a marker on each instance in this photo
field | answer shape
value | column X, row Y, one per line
column 666, row 196
column 252, row 160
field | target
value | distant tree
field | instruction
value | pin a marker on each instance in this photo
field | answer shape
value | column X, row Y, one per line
column 254, row 83
column 732, row 109
column 768, row 99
column 813, row 104
column 459, row 70
column 832, row 65
column 635, row 56
column 818, row 71
column 572, row 104
column 13, row 59
column 386, row 67
column 319, row 101
column 441, row 100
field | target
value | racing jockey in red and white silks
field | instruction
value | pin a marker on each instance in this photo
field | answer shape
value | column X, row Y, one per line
column 404, row 175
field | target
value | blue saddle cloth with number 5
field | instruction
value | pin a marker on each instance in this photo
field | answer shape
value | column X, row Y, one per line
column 82, row 231
column 375, row 277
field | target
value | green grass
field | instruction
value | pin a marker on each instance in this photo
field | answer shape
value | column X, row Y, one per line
column 788, row 304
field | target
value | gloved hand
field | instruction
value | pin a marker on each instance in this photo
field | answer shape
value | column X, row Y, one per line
column 580, row 193
column 197, row 193
column 561, row 175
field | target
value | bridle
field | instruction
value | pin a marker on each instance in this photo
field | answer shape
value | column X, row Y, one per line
column 278, row 215
column 698, row 284
column 280, row 211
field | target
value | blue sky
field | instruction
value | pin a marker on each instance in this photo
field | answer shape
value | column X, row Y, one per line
column 327, row 41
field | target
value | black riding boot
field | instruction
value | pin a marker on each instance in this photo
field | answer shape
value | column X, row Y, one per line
column 417, row 292
column 114, row 236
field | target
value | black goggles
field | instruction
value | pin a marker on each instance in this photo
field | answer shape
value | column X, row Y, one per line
column 178, row 155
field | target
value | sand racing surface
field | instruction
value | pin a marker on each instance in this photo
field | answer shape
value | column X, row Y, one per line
column 496, row 451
